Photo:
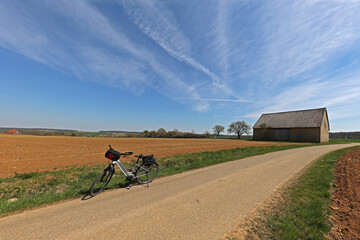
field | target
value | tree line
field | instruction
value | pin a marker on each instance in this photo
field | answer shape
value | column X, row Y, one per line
column 345, row 135
column 239, row 128
column 162, row 133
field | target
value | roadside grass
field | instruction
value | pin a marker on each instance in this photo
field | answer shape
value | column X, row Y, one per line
column 29, row 190
column 303, row 209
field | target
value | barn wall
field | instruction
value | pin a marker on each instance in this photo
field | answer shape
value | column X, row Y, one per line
column 296, row 134
column 261, row 134
column 258, row 134
column 324, row 135
column 268, row 134
column 282, row 134
column 305, row 135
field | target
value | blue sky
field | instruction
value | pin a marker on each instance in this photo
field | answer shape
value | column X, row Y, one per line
column 136, row 65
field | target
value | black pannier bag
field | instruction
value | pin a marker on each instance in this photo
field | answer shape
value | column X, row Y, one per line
column 112, row 155
column 149, row 158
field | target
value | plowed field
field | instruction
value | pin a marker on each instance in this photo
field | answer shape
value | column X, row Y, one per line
column 346, row 198
column 24, row 153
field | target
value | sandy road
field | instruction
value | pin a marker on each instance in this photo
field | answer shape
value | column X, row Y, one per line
column 200, row 204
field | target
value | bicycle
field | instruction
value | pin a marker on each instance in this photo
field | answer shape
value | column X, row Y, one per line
column 145, row 172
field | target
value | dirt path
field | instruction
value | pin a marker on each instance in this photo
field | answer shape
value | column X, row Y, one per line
column 200, row 204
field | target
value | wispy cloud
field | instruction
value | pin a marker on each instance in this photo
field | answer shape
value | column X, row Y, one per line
column 117, row 61
column 302, row 35
column 156, row 20
column 221, row 37
column 335, row 94
column 20, row 34
column 223, row 100
column 269, row 56
column 307, row 58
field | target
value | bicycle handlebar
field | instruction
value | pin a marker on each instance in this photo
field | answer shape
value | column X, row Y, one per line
column 124, row 154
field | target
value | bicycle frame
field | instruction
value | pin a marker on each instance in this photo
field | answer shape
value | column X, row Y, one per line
column 123, row 168
column 125, row 171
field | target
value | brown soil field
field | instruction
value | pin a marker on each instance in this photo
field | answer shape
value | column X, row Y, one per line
column 25, row 153
column 346, row 199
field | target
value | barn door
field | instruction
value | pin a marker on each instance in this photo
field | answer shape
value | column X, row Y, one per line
column 282, row 134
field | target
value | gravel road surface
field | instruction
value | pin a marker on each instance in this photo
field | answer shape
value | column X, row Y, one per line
column 199, row 204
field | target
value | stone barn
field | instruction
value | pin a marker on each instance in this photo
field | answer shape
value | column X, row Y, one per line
column 296, row 126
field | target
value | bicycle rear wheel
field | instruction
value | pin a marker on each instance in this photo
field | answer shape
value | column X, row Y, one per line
column 147, row 172
column 101, row 181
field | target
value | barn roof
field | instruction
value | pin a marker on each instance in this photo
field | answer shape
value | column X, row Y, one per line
column 12, row 131
column 293, row 119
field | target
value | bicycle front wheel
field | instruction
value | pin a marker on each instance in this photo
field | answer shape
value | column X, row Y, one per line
column 101, row 181
column 147, row 172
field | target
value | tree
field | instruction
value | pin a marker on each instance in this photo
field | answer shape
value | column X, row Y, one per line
column 218, row 129
column 173, row 134
column 145, row 133
column 239, row 127
column 207, row 134
column 152, row 134
column 161, row 132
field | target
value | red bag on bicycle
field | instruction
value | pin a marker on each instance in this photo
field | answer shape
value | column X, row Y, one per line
column 112, row 154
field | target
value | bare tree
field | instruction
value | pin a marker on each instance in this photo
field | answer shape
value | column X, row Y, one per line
column 239, row 127
column 218, row 129
column 207, row 134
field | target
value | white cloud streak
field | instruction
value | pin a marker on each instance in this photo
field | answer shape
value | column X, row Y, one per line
column 307, row 60
column 223, row 100
column 124, row 66
column 221, row 40
column 270, row 51
column 302, row 35
column 156, row 21
column 336, row 94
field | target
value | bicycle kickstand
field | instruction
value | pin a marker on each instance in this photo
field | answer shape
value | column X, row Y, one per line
column 147, row 179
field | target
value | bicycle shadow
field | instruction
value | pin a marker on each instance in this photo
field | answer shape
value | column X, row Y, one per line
column 127, row 185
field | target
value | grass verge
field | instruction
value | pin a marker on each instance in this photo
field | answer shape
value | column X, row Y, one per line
column 302, row 211
column 29, row 190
